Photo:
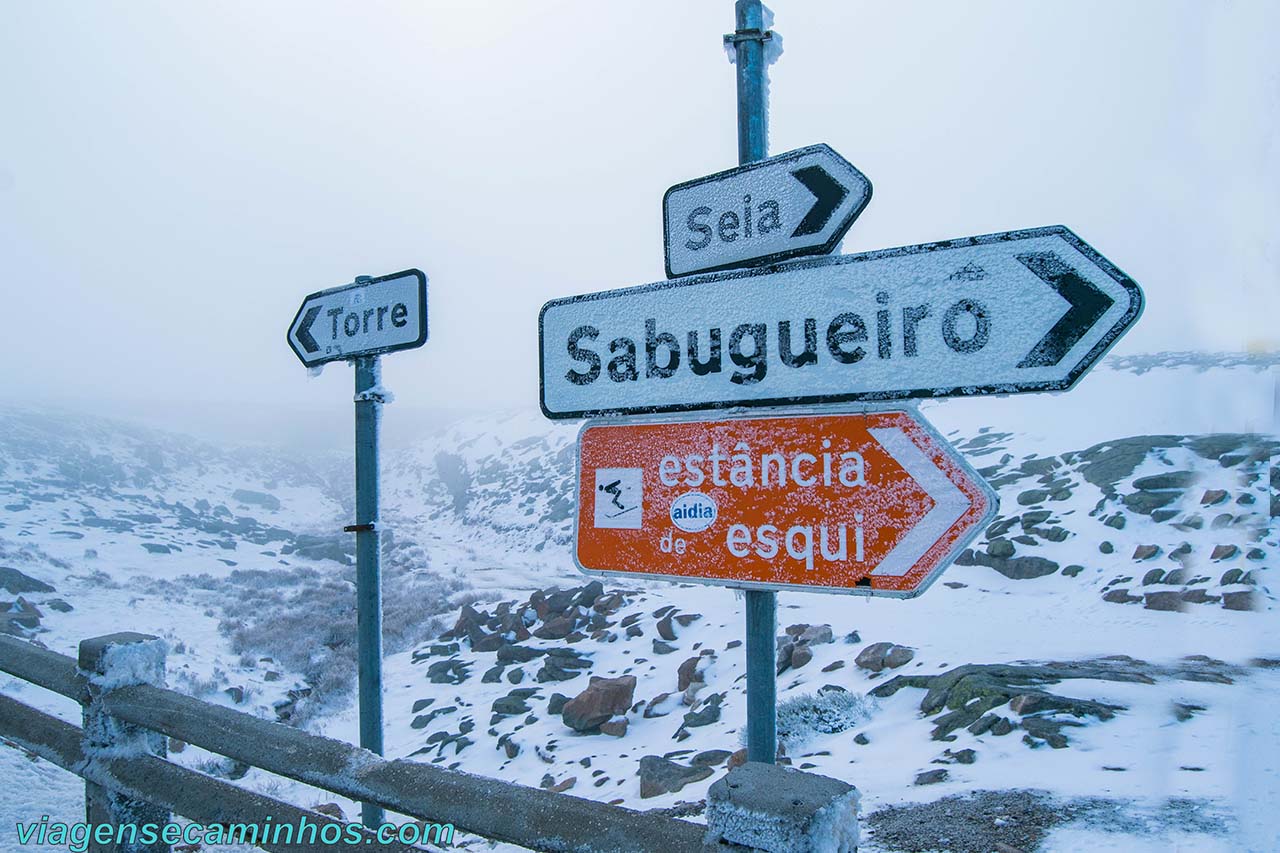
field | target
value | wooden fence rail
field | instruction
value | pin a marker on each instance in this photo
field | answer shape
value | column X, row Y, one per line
column 494, row 809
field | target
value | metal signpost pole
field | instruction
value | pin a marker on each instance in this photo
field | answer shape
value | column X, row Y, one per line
column 368, row 401
column 762, row 688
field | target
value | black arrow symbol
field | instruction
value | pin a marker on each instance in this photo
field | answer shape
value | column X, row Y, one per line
column 829, row 192
column 1088, row 304
column 304, row 331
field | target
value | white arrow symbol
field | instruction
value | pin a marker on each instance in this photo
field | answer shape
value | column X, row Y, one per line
column 949, row 503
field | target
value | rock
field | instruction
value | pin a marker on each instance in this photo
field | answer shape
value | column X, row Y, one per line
column 492, row 675
column 1243, row 600
column 1047, row 729
column 236, row 693
column 783, row 659
column 1000, row 548
column 1146, row 552
column 660, row 706
column 452, row 671
column 661, row 648
column 603, row 699
column 587, row 595
column 555, row 704
column 1019, row 568
column 511, row 705
column 608, row 603
column 800, row 656
column 861, row 739
column 710, row 757
column 1224, row 552
column 1256, row 554
column 1033, row 496
column 816, row 635
column 963, row 756
column 1116, row 521
column 1213, row 497
column 879, row 656
column 931, row 777
column 872, row 657
column 1120, row 596
column 708, row 712
column 1072, row 571
column 665, row 629
column 614, row 728
column 1170, row 600
column 833, row 666
column 1231, row 576
column 1177, row 577
column 556, row 628
column 512, row 653
column 1183, row 711
column 738, row 759
column 660, row 776
column 1002, row 726
column 1106, row 547
column 176, row 745
column 16, row 583
column 1200, row 596
column 1153, row 576
column 898, row 656
column 686, row 673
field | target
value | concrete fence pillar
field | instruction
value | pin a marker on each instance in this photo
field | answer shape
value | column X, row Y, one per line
column 110, row 662
column 781, row 810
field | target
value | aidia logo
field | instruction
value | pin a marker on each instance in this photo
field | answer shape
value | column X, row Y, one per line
column 693, row 512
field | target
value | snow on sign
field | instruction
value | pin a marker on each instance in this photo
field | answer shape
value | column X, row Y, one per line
column 871, row 503
column 1018, row 311
column 370, row 317
column 798, row 203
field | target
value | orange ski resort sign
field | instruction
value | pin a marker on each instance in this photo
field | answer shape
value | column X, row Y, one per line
column 873, row 503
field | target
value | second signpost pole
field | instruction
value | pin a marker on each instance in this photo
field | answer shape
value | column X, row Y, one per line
column 762, row 689
column 369, row 399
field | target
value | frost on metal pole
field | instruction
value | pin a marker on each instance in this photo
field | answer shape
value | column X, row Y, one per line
column 369, row 398
column 762, row 605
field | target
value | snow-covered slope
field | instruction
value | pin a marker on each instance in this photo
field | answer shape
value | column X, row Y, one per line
column 1137, row 519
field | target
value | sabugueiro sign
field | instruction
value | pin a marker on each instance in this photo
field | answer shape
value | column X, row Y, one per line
column 870, row 503
column 1002, row 313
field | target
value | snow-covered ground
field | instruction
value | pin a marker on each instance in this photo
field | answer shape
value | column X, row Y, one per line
column 137, row 530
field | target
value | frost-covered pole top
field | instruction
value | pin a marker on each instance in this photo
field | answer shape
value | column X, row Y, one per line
column 752, row 47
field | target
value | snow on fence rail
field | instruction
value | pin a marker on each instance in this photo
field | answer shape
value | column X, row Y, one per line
column 120, row 754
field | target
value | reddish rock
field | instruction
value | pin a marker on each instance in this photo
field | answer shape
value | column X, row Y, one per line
column 1243, row 600
column 1213, row 497
column 614, row 728
column 687, row 673
column 801, row 655
column 603, row 699
column 1146, row 552
column 1224, row 552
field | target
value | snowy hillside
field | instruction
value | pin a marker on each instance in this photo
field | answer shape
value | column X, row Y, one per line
column 1099, row 660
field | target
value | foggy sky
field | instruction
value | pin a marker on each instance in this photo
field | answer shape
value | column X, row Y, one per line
column 175, row 177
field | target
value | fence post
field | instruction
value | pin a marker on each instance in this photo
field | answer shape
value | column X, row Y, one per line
column 780, row 810
column 120, row 660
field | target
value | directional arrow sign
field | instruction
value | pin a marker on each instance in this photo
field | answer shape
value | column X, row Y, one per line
column 369, row 317
column 798, row 203
column 872, row 503
column 1012, row 312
